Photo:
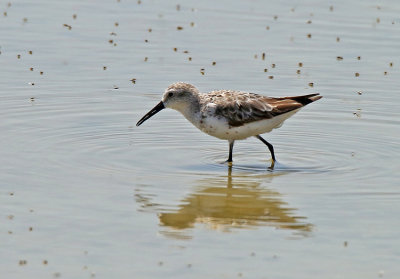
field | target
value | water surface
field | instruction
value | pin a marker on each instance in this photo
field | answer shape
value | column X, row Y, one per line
column 85, row 193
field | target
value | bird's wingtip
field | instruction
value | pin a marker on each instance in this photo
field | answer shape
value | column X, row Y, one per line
column 315, row 97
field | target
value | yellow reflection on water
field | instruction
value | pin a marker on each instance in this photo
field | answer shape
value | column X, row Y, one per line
column 233, row 201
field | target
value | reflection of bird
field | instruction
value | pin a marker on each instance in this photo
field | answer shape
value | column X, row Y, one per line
column 226, row 204
column 230, row 115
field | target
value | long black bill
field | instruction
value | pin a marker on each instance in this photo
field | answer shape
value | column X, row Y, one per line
column 157, row 108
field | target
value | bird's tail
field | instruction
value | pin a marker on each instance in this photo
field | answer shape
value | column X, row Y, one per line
column 306, row 99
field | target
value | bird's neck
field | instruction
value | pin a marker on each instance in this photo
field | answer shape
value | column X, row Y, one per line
column 191, row 110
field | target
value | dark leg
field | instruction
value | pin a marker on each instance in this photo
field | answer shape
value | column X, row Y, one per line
column 270, row 147
column 230, row 151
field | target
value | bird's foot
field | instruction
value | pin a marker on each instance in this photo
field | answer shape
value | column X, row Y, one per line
column 271, row 167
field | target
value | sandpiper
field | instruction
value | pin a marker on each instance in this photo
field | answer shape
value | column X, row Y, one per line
column 228, row 114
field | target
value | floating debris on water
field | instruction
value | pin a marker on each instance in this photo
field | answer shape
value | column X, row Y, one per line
column 357, row 113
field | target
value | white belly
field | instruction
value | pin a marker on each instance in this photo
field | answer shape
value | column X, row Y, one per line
column 220, row 128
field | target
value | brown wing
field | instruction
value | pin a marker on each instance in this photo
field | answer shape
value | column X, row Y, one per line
column 240, row 108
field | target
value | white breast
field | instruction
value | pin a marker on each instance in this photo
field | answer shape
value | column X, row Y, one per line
column 219, row 127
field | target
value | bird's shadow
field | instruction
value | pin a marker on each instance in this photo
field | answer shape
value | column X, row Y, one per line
column 236, row 200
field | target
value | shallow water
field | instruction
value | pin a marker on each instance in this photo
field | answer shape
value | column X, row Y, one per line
column 85, row 193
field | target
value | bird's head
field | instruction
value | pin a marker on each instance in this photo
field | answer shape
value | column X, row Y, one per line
column 177, row 96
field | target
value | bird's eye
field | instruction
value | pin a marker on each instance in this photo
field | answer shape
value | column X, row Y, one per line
column 170, row 94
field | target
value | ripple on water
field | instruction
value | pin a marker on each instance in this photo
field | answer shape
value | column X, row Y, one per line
column 342, row 144
column 226, row 200
column 106, row 138
column 71, row 132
